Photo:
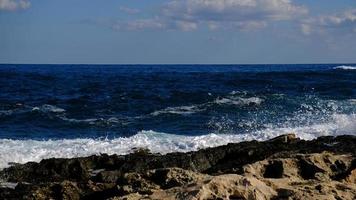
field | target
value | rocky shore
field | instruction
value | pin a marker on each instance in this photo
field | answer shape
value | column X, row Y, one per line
column 282, row 168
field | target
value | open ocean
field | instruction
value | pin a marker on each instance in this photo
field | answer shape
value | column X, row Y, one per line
column 79, row 110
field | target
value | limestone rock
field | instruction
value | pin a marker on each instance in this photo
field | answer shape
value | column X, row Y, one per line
column 282, row 168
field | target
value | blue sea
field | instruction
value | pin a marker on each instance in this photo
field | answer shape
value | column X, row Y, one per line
column 79, row 110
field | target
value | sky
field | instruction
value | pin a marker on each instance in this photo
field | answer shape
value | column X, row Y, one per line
column 177, row 31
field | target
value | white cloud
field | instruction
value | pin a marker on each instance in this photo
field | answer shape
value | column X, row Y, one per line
column 306, row 29
column 12, row 5
column 241, row 14
column 153, row 24
column 188, row 15
column 186, row 25
column 345, row 21
column 233, row 10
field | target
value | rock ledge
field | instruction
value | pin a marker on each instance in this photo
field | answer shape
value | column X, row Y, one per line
column 282, row 168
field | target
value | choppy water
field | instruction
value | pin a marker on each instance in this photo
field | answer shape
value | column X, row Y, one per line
column 77, row 110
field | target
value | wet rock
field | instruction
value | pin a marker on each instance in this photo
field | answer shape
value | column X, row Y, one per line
column 7, row 193
column 224, row 159
column 284, row 168
column 108, row 176
column 288, row 138
column 67, row 191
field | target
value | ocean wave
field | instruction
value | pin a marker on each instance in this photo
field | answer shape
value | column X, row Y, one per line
column 6, row 112
column 89, row 121
column 21, row 109
column 240, row 101
column 97, row 121
column 352, row 101
column 229, row 100
column 181, row 110
column 23, row 151
column 345, row 67
column 340, row 124
column 60, row 113
column 49, row 108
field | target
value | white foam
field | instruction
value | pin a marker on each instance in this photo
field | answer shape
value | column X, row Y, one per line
column 48, row 108
column 239, row 101
column 345, row 67
column 340, row 124
column 352, row 101
column 8, row 185
column 22, row 151
column 6, row 112
column 89, row 121
column 229, row 100
column 181, row 110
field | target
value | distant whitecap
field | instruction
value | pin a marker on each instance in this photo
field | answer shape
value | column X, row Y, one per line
column 345, row 67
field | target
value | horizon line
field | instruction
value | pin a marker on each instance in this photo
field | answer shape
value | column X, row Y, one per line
column 168, row 64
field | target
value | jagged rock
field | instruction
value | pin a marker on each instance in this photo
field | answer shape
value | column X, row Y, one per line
column 173, row 177
column 351, row 177
column 285, row 138
column 235, row 187
column 283, row 193
column 135, row 183
column 67, row 191
column 282, row 168
column 108, row 176
column 224, row 159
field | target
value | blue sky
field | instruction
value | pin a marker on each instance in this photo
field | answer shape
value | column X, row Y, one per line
column 177, row 31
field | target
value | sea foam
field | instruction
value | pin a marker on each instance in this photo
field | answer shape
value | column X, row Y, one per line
column 181, row 110
column 345, row 67
column 239, row 101
column 22, row 151
column 228, row 100
column 48, row 108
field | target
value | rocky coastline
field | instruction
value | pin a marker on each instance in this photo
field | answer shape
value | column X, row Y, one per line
column 285, row 167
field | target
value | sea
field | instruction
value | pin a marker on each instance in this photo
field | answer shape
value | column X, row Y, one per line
column 66, row 111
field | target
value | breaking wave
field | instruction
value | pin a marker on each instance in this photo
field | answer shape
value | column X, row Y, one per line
column 181, row 110
column 345, row 67
column 229, row 100
column 239, row 101
column 23, row 151
column 65, row 111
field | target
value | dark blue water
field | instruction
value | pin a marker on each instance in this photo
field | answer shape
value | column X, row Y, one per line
column 90, row 101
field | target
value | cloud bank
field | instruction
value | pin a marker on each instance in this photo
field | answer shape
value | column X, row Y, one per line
column 344, row 21
column 13, row 5
column 188, row 15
